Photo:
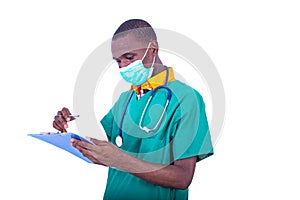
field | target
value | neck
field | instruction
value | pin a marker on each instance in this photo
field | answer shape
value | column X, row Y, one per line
column 158, row 67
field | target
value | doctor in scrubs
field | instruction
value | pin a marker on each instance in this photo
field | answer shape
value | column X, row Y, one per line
column 157, row 130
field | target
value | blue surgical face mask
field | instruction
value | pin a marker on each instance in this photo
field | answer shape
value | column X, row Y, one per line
column 136, row 73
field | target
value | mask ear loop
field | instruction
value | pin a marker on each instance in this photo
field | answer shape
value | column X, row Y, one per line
column 151, row 68
column 146, row 51
column 152, row 62
column 146, row 54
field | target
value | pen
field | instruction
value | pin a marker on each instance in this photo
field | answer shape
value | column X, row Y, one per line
column 75, row 116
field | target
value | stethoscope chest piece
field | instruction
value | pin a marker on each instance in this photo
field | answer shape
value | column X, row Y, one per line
column 119, row 141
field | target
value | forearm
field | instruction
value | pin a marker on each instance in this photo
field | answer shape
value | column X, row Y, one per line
column 179, row 175
column 168, row 176
column 174, row 176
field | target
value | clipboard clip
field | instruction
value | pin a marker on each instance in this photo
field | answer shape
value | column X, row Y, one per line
column 48, row 133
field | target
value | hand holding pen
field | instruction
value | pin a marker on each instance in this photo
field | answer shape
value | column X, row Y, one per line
column 62, row 118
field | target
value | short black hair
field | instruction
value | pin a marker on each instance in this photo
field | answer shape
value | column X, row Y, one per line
column 142, row 30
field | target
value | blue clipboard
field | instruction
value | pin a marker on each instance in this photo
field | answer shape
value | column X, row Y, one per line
column 62, row 140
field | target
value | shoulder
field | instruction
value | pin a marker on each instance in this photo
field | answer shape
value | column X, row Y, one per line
column 184, row 92
column 125, row 94
column 123, row 98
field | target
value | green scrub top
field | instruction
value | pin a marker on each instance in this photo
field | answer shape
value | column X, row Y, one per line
column 182, row 133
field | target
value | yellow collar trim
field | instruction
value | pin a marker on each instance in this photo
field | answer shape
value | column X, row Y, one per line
column 155, row 81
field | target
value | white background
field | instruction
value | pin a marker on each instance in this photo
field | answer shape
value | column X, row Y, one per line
column 255, row 46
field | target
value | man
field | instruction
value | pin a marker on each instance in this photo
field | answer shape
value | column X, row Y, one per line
column 152, row 146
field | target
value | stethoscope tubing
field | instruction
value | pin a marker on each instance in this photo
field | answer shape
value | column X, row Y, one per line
column 144, row 128
column 123, row 114
column 119, row 138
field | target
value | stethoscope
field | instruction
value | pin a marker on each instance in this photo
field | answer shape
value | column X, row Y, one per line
column 119, row 138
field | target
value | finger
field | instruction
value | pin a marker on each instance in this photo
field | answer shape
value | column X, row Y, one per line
column 74, row 142
column 84, row 151
column 66, row 114
column 94, row 160
column 59, row 113
column 61, row 123
column 90, row 157
column 96, row 141
column 62, row 129
column 57, row 127
column 89, row 153
column 85, row 145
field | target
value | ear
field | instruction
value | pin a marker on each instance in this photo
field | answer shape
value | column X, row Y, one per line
column 154, row 46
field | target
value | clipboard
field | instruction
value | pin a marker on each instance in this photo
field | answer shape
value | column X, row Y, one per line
column 62, row 140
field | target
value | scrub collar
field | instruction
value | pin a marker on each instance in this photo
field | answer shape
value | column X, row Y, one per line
column 155, row 81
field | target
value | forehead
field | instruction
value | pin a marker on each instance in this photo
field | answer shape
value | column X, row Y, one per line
column 126, row 44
